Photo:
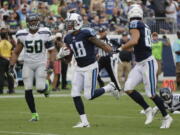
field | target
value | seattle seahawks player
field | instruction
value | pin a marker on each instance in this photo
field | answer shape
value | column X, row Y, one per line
column 145, row 69
column 171, row 101
column 35, row 41
column 82, row 42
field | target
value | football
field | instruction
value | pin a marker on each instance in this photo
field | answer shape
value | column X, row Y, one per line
column 68, row 57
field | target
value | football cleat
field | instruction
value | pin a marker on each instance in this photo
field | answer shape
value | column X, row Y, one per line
column 113, row 90
column 35, row 117
column 166, row 123
column 149, row 115
column 81, row 125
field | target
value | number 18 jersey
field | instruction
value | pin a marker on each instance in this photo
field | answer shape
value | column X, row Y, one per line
column 143, row 49
column 35, row 45
column 83, row 49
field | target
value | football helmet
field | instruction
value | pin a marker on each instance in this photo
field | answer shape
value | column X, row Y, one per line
column 135, row 11
column 33, row 21
column 73, row 22
column 166, row 94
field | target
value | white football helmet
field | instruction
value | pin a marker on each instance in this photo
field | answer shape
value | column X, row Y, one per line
column 135, row 11
column 73, row 22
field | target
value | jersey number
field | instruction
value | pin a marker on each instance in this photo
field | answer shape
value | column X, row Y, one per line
column 34, row 46
column 148, row 37
column 78, row 49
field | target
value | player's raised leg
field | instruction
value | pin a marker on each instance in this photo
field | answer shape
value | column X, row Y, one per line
column 150, row 79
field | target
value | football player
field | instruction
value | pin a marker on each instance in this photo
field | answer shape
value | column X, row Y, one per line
column 35, row 41
column 146, row 67
column 171, row 101
column 105, row 60
column 82, row 42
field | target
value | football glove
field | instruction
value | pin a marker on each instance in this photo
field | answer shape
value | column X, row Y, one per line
column 64, row 51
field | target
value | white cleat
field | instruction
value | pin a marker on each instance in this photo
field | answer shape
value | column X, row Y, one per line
column 149, row 115
column 166, row 123
column 81, row 125
column 114, row 92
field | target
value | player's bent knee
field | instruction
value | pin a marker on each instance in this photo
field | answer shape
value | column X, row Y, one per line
column 74, row 94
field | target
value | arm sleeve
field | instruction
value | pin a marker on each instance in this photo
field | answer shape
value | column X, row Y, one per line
column 136, row 24
column 89, row 32
column 49, row 44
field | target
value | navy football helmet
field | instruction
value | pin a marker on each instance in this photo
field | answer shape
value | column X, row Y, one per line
column 33, row 21
column 166, row 94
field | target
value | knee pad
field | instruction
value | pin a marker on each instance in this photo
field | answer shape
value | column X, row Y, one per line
column 75, row 94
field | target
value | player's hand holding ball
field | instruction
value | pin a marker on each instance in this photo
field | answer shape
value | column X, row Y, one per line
column 64, row 51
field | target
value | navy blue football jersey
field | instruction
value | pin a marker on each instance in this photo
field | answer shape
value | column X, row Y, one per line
column 83, row 49
column 143, row 49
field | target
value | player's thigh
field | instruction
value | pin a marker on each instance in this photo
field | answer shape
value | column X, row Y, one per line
column 28, row 76
column 150, row 78
column 77, row 84
column 134, row 78
column 41, row 75
column 90, row 78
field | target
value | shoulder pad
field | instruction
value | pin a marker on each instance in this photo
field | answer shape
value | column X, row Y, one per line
column 22, row 32
column 136, row 24
column 45, row 30
column 89, row 31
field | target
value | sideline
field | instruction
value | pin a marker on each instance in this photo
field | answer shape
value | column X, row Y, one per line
column 25, row 133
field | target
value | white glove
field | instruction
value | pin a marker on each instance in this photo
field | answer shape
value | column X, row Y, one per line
column 120, row 49
column 64, row 51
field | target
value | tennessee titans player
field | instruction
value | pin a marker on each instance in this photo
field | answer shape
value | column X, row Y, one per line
column 82, row 42
column 146, row 67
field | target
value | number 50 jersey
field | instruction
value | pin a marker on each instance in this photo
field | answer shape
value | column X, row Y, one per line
column 35, row 45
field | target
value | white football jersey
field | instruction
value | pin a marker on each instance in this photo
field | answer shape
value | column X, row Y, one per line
column 35, row 45
column 175, row 105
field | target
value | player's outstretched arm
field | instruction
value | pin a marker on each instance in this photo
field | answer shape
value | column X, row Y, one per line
column 16, row 52
column 100, row 44
column 135, row 35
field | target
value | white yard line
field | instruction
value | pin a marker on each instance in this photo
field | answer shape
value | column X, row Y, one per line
column 25, row 133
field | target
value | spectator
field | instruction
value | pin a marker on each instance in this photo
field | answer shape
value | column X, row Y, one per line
column 13, row 23
column 124, row 66
column 5, row 55
column 95, row 23
column 54, row 7
column 57, row 63
column 171, row 10
column 176, row 49
column 157, row 45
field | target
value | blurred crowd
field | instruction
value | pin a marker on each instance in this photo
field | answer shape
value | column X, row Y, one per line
column 163, row 16
column 96, row 13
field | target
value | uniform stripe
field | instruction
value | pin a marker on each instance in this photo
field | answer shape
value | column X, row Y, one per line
column 154, row 79
column 21, row 34
column 150, row 70
column 94, row 77
column 44, row 32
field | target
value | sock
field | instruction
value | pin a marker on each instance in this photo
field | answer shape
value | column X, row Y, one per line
column 79, row 105
column 98, row 92
column 30, row 100
column 84, row 118
column 159, row 103
column 138, row 98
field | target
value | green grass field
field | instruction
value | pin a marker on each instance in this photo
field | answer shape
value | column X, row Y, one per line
column 107, row 116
